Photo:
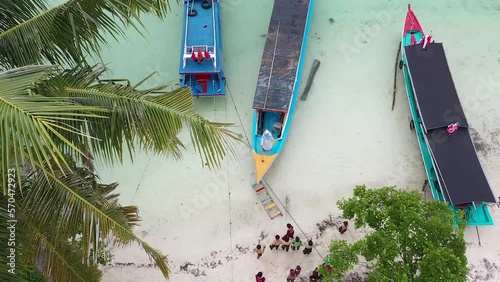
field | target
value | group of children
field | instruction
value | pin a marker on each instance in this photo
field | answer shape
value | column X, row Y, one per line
column 285, row 242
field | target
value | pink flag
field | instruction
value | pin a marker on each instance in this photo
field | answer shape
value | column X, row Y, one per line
column 427, row 40
column 452, row 128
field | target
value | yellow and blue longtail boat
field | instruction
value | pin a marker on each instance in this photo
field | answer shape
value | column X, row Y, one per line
column 279, row 80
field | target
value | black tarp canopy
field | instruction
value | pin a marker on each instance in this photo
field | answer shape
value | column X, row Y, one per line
column 278, row 69
column 460, row 173
column 462, row 177
column 435, row 92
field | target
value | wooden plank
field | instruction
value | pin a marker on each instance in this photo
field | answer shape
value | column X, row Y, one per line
column 266, row 200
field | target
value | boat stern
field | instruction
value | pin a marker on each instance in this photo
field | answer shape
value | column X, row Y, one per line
column 204, row 84
column 475, row 215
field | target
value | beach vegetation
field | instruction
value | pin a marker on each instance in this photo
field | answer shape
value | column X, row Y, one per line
column 411, row 239
column 58, row 115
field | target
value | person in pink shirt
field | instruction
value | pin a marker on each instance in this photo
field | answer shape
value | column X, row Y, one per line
column 260, row 277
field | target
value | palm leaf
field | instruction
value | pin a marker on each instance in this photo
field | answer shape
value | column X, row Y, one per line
column 149, row 117
column 30, row 33
column 30, row 123
column 59, row 261
column 79, row 205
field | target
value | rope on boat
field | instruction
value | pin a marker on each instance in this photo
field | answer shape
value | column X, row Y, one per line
column 395, row 77
column 229, row 199
column 237, row 112
column 142, row 177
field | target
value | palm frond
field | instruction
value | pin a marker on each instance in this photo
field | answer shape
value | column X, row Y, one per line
column 30, row 123
column 79, row 205
column 59, row 261
column 65, row 33
column 150, row 117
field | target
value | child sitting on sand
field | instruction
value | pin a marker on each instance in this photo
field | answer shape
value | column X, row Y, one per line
column 259, row 250
column 260, row 277
column 296, row 244
column 286, row 243
column 276, row 243
column 343, row 227
column 308, row 248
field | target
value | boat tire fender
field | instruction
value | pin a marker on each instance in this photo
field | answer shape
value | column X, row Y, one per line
column 401, row 64
column 192, row 12
column 412, row 124
column 206, row 4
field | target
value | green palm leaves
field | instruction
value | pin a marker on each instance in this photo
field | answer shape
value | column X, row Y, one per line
column 53, row 121
column 31, row 33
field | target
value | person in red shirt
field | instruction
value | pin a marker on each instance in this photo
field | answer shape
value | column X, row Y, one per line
column 291, row 277
column 260, row 277
column 297, row 270
column 289, row 231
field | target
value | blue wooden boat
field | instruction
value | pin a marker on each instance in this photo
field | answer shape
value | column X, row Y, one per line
column 201, row 52
column 279, row 80
column 453, row 169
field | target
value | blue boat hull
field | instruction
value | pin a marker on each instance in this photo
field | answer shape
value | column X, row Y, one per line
column 201, row 62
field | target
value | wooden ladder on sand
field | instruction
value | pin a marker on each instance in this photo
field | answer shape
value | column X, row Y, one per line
column 267, row 202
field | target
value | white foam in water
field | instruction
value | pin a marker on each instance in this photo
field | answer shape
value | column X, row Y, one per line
column 356, row 138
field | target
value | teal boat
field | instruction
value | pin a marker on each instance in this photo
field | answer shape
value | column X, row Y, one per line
column 450, row 158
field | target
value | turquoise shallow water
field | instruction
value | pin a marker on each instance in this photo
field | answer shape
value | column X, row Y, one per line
column 343, row 135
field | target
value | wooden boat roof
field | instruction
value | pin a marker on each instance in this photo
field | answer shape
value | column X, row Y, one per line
column 435, row 92
column 278, row 69
column 457, row 165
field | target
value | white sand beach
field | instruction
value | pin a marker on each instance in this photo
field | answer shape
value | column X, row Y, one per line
column 343, row 135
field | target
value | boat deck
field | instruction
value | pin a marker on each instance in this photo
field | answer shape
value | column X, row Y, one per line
column 461, row 176
column 201, row 51
column 279, row 65
column 436, row 95
column 201, row 32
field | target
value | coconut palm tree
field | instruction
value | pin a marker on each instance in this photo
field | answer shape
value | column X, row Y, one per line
column 54, row 120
